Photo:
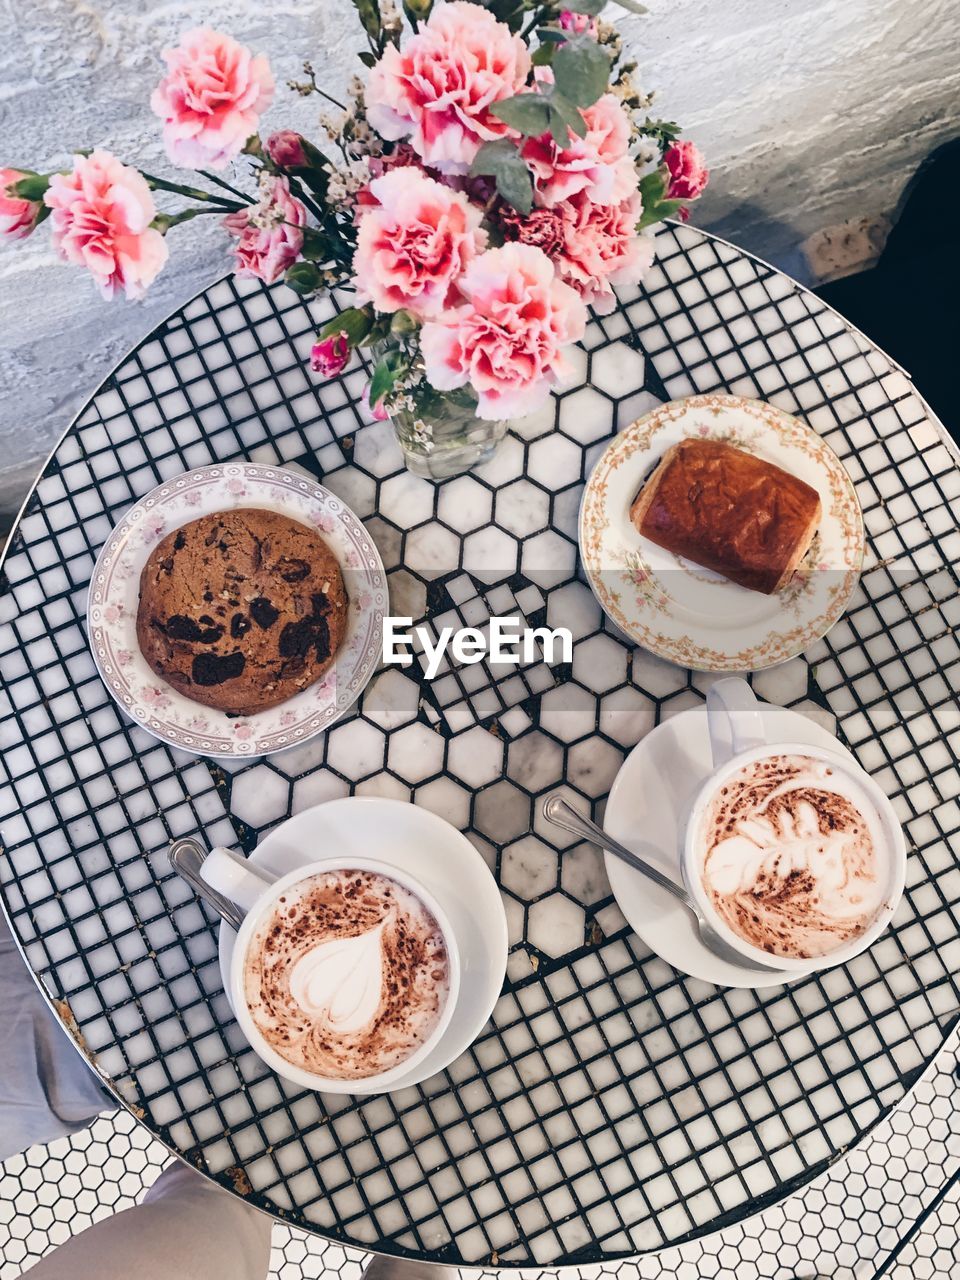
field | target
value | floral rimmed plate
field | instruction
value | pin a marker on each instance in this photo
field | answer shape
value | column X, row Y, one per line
column 690, row 615
column 114, row 595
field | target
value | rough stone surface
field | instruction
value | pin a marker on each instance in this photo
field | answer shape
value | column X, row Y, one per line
column 810, row 111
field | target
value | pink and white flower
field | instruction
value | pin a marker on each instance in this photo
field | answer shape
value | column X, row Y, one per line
column 152, row 696
column 286, row 149
column 601, row 248
column 598, row 164
column 18, row 216
column 154, row 527
column 270, row 233
column 438, row 89
column 330, row 356
column 414, row 243
column 376, row 411
column 578, row 23
column 211, row 99
column 101, row 218
column 508, row 338
column 689, row 174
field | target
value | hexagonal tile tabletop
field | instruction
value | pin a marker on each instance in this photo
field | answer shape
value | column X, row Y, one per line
column 610, row 1106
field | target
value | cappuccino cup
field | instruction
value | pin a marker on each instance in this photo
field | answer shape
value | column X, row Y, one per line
column 343, row 976
column 792, row 852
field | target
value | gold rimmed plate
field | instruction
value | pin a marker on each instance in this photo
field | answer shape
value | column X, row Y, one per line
column 683, row 612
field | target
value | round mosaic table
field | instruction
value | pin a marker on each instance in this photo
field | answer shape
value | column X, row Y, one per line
column 611, row 1105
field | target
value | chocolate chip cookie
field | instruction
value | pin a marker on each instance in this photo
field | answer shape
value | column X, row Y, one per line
column 241, row 610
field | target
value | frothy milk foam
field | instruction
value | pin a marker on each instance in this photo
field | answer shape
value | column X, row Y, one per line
column 793, row 855
column 348, row 974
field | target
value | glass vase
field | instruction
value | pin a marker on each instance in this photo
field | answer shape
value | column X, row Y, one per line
column 441, row 435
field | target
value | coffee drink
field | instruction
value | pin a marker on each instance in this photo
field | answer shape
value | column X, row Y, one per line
column 347, row 974
column 793, row 856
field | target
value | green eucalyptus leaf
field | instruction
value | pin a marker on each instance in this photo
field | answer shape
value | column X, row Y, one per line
column 502, row 161
column 569, row 114
column 550, row 35
column 590, row 7
column 367, row 58
column 543, row 56
column 516, row 187
column 581, row 69
column 559, row 131
column 632, row 6
column 528, row 113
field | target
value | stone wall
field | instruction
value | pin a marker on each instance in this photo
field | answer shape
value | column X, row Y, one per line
column 809, row 112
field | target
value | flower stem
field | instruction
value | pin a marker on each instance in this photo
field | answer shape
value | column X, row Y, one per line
column 161, row 184
column 212, row 177
column 164, row 221
column 298, row 190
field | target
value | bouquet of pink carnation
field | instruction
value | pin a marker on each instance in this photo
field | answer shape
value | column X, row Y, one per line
column 492, row 178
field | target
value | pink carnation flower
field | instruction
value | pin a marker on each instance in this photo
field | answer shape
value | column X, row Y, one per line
column 578, row 23
column 270, row 234
column 508, row 338
column 330, row 356
column 211, row 99
column 438, row 89
column 376, row 411
column 601, row 248
column 413, row 243
column 286, row 149
column 688, row 173
column 18, row 217
column 101, row 218
column 598, row 164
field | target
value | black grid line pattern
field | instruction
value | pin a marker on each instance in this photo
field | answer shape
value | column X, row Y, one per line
column 888, row 1208
column 610, row 1106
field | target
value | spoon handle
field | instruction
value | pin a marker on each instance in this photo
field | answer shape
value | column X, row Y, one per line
column 561, row 814
column 186, row 856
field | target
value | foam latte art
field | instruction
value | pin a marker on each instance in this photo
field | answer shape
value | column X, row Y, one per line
column 348, row 974
column 794, row 856
column 340, row 982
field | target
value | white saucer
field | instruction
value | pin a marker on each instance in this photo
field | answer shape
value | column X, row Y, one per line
column 650, row 798
column 688, row 614
column 447, row 864
column 114, row 594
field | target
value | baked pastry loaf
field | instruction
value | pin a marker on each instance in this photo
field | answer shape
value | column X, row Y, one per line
column 241, row 610
column 729, row 511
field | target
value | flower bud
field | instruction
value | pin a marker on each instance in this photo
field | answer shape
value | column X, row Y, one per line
column 688, row 173
column 286, row 149
column 377, row 411
column 402, row 324
column 304, row 278
column 330, row 356
column 21, row 202
column 578, row 23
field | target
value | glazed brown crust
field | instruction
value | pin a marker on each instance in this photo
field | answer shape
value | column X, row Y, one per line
column 241, row 610
column 729, row 511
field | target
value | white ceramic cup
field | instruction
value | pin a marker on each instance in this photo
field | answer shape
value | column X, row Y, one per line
column 255, row 893
column 737, row 737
